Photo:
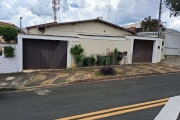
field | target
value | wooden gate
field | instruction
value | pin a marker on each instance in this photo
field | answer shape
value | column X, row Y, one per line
column 44, row 54
column 142, row 52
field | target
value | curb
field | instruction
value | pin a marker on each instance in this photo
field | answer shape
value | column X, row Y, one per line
column 109, row 78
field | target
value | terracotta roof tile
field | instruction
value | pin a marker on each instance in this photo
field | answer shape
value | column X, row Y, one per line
column 5, row 23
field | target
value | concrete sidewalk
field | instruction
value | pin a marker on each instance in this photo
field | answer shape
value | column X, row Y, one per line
column 51, row 77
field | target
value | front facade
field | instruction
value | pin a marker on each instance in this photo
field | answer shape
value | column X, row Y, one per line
column 95, row 36
column 48, row 46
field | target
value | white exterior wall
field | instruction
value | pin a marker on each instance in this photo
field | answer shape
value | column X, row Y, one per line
column 156, row 56
column 172, row 44
column 20, row 46
column 10, row 65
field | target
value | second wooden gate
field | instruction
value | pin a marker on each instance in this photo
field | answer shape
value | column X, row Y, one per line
column 142, row 52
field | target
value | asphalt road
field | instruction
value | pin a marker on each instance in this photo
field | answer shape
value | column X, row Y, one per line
column 89, row 97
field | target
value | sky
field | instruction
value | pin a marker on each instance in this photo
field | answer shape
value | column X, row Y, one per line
column 122, row 12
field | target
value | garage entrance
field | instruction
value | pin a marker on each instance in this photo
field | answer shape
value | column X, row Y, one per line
column 44, row 54
column 143, row 51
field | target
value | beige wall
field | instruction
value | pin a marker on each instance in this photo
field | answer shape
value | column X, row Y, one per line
column 34, row 31
column 2, row 40
column 92, row 46
column 86, row 28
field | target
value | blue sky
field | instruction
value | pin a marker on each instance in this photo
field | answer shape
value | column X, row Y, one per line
column 122, row 11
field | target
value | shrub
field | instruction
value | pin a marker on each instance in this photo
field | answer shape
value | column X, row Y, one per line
column 107, row 70
column 77, row 50
column 9, row 52
column 89, row 61
column 114, row 60
column 9, row 33
column 100, row 60
column 106, row 60
column 78, row 59
column 116, row 51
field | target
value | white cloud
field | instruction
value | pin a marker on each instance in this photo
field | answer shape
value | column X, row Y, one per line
column 122, row 11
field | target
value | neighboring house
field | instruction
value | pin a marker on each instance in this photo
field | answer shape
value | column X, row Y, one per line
column 8, row 24
column 47, row 46
column 8, row 65
column 171, row 43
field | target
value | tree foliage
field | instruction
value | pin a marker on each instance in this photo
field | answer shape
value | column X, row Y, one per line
column 8, row 33
column 173, row 6
column 77, row 50
column 151, row 25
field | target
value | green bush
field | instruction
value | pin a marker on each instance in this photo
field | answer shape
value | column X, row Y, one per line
column 100, row 60
column 9, row 52
column 9, row 33
column 78, row 59
column 77, row 50
column 106, row 60
column 114, row 60
column 116, row 51
column 89, row 61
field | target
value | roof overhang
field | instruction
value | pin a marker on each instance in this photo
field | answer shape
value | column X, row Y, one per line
column 47, row 37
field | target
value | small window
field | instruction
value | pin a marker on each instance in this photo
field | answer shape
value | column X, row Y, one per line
column 0, row 51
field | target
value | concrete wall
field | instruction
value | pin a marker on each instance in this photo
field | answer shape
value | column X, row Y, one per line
column 156, row 56
column 96, row 28
column 99, row 45
column 172, row 44
column 9, row 65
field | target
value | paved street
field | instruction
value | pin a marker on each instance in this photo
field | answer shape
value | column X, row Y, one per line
column 61, row 102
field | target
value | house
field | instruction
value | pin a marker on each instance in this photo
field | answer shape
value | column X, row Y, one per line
column 171, row 39
column 8, row 24
column 47, row 46
column 8, row 65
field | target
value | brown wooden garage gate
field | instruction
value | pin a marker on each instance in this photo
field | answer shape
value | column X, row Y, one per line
column 44, row 54
column 143, row 51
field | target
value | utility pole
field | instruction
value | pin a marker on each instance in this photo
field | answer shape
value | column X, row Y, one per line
column 159, row 20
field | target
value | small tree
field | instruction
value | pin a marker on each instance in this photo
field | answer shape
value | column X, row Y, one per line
column 77, row 51
column 9, row 33
column 151, row 25
column 173, row 6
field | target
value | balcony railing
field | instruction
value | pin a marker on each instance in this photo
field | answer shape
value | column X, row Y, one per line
column 148, row 34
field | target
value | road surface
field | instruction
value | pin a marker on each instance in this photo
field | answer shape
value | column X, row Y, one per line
column 66, row 101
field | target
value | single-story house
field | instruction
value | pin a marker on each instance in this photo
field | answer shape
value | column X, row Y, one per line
column 47, row 46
